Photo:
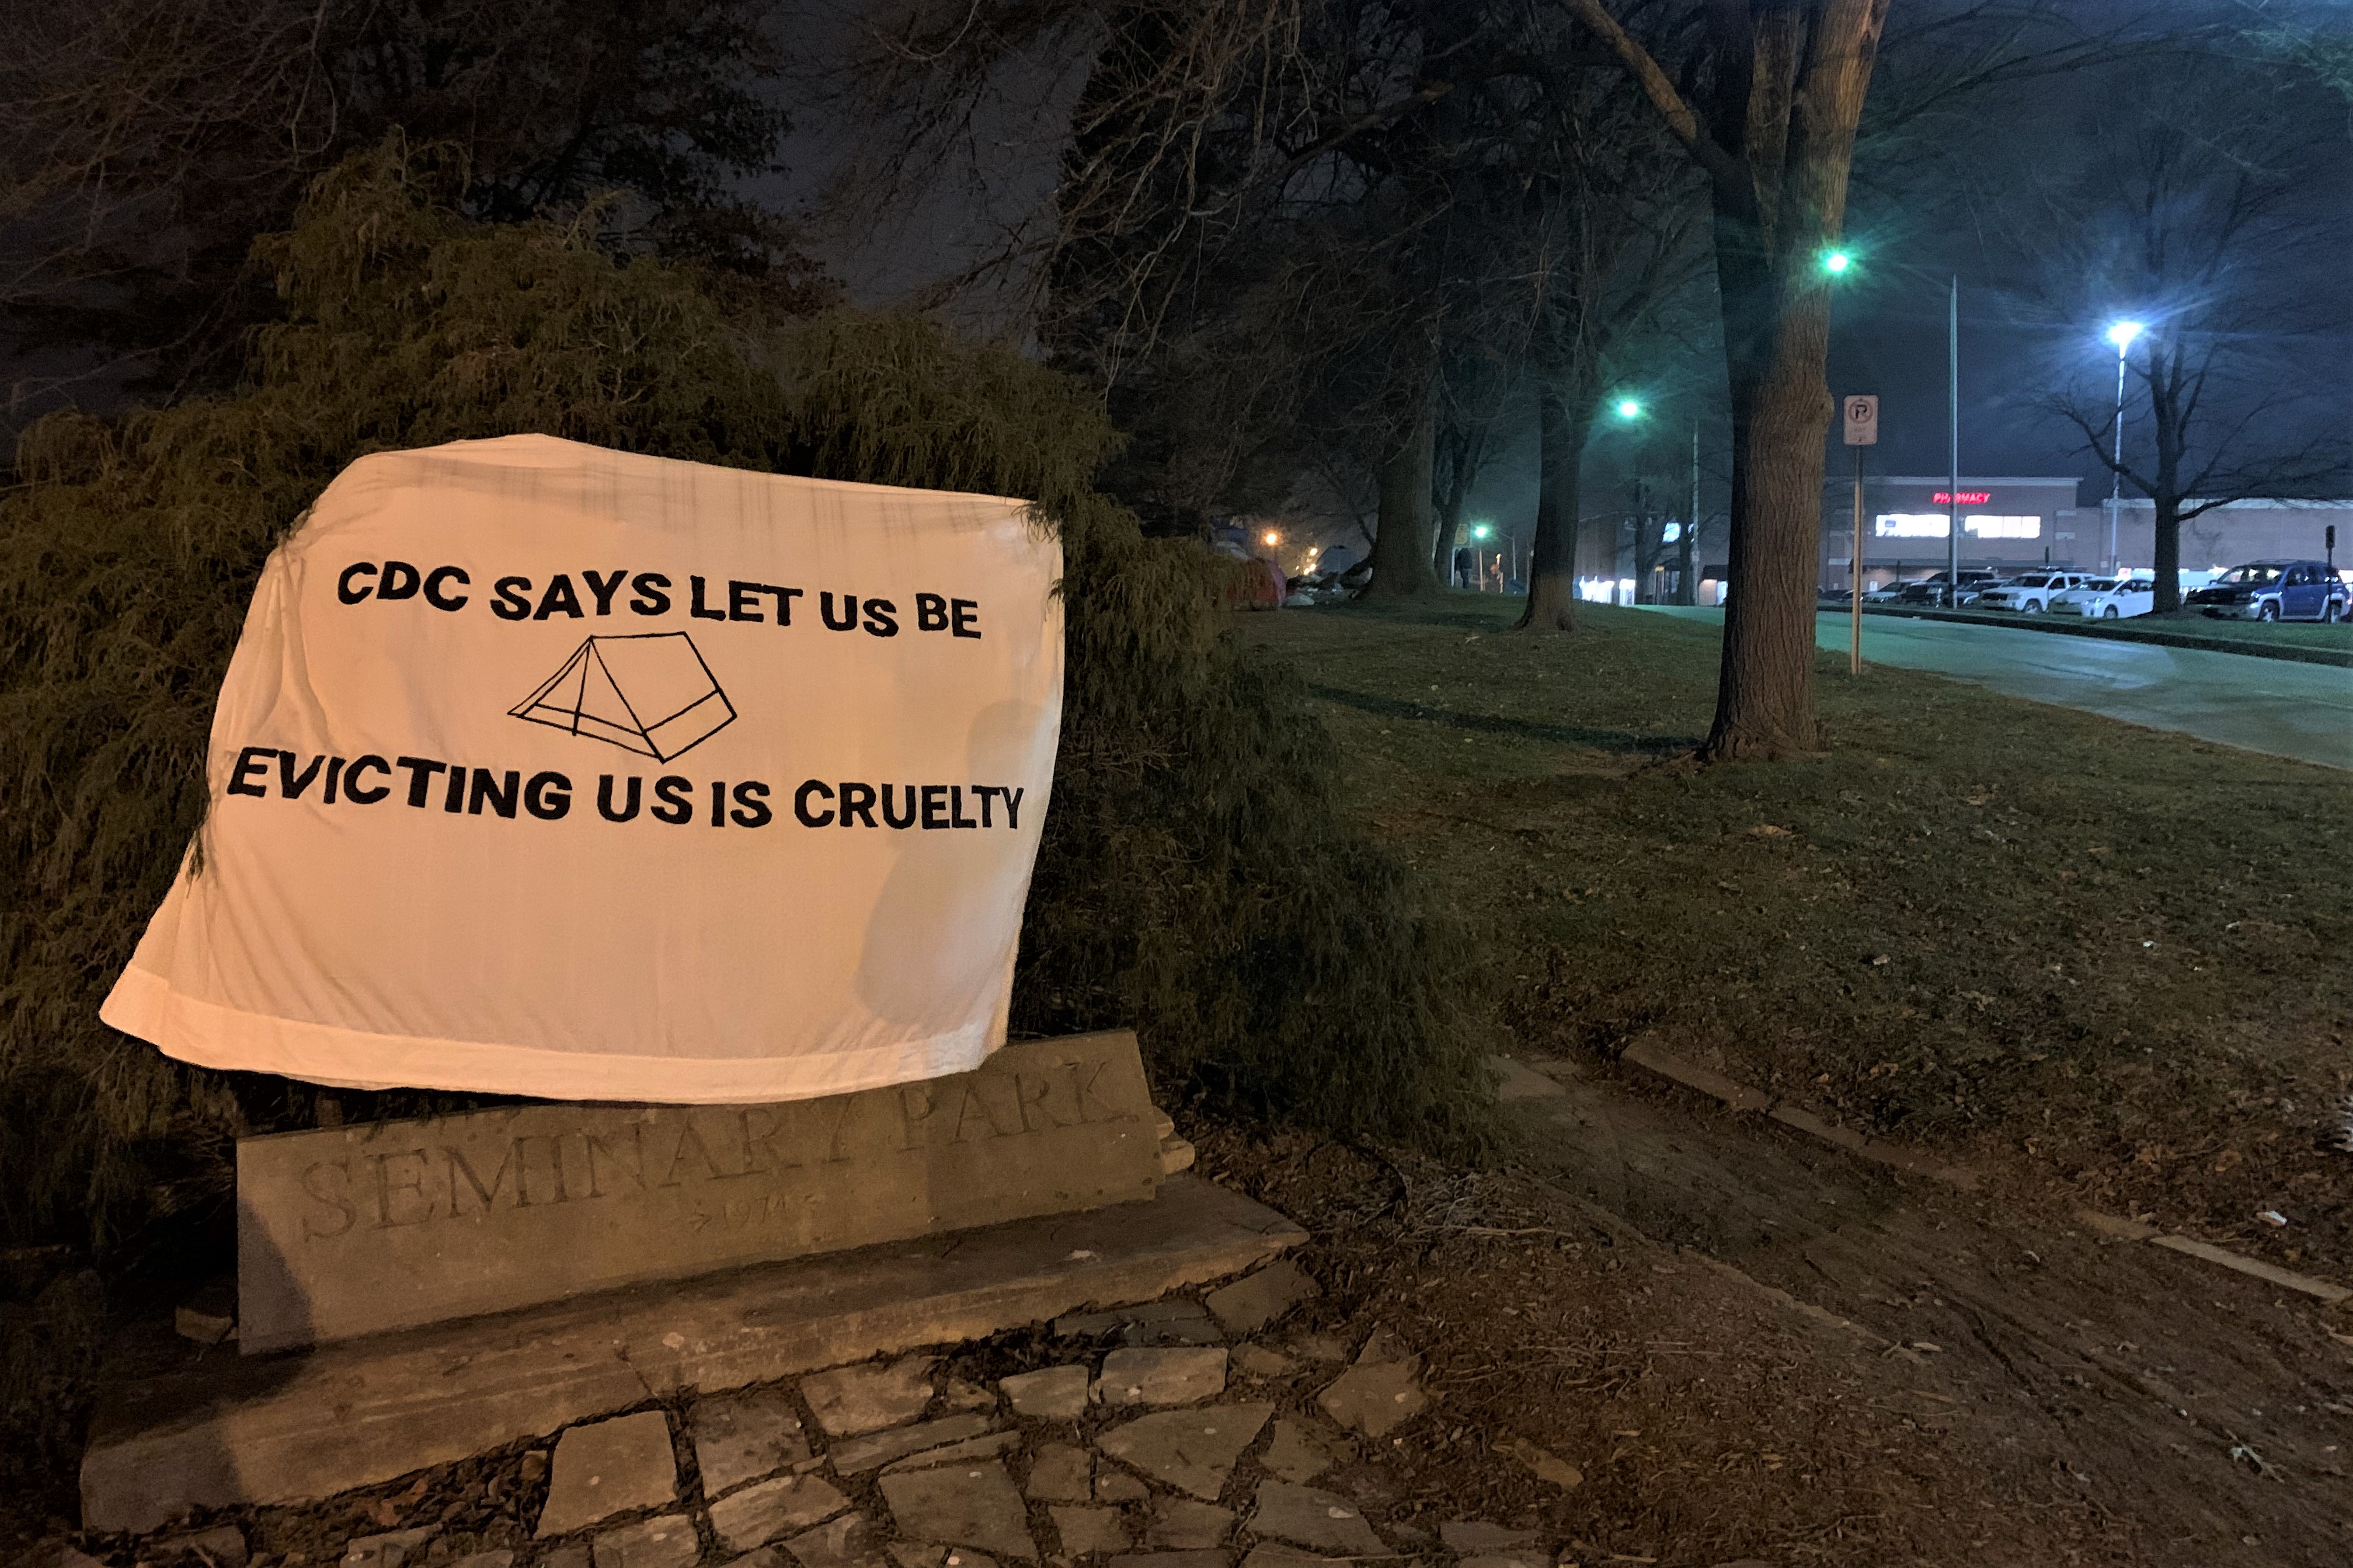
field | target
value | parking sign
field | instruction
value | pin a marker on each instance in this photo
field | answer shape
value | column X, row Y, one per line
column 1862, row 421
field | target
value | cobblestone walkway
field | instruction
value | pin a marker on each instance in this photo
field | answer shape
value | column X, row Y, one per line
column 1180, row 1433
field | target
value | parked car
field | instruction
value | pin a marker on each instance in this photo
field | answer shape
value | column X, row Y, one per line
column 2034, row 593
column 1932, row 590
column 2109, row 601
column 2063, row 602
column 2273, row 591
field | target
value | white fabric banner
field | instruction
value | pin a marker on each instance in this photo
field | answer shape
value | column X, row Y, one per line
column 542, row 769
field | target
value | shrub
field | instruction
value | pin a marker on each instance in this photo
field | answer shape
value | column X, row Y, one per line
column 1195, row 879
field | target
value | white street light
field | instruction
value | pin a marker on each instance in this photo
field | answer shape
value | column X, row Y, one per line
column 2124, row 333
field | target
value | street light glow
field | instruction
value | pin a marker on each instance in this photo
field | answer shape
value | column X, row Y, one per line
column 1479, row 531
column 1628, row 409
column 1837, row 261
column 2124, row 333
column 1271, row 537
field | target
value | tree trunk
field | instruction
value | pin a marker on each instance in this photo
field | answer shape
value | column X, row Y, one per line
column 1648, row 547
column 1401, row 547
column 2165, row 405
column 1777, row 347
column 1448, row 537
column 1776, row 134
column 1552, row 555
column 1686, row 578
column 2168, row 520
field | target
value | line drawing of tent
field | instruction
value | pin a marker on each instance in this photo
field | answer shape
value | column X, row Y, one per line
column 649, row 692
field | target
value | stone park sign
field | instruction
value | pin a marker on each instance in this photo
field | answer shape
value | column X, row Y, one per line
column 349, row 1231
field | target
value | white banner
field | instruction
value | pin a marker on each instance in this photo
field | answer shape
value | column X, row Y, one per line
column 547, row 770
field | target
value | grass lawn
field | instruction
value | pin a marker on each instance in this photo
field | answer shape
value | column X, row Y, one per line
column 2066, row 948
column 2291, row 634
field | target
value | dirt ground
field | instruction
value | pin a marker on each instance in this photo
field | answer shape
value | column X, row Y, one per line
column 1755, row 1351
column 2117, row 961
column 2076, row 954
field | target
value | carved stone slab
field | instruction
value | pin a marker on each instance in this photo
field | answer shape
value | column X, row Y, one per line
column 350, row 1231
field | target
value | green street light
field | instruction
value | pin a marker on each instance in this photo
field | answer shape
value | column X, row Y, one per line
column 1836, row 261
column 1479, row 531
column 1628, row 409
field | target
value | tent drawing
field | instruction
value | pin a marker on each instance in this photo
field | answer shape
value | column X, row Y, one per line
column 648, row 693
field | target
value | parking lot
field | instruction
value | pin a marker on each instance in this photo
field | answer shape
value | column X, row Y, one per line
column 2290, row 710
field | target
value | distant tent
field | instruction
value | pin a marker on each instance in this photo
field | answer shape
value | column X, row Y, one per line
column 1258, row 586
column 650, row 693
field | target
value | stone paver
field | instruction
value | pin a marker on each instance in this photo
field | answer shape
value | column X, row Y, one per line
column 960, row 1395
column 1090, row 1530
column 1472, row 1536
column 871, row 1453
column 1118, row 1486
column 609, row 1467
column 1250, row 1303
column 1180, row 1524
column 1061, row 1473
column 766, row 1509
column 1175, row 1323
column 766, row 1557
column 1321, row 1520
column 1174, row 1559
column 847, row 1542
column 917, row 1553
column 1294, row 1455
column 1379, row 1393
column 1257, row 1361
column 500, row 1558
column 1513, row 1559
column 744, row 1436
column 1057, row 1393
column 1192, row 1450
column 964, row 1505
column 850, row 1400
column 988, row 1448
column 222, row 1546
column 571, row 1554
column 667, row 1540
column 394, row 1549
column 1171, row 1375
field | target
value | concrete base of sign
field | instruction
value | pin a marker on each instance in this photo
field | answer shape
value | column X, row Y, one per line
column 267, row 1429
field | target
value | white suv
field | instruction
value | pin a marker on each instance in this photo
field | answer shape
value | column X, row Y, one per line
column 2033, row 593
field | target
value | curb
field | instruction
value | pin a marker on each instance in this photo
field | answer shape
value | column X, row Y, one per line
column 2294, row 652
column 1737, row 1096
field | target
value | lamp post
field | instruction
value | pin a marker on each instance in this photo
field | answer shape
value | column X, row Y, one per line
column 1953, row 416
column 2121, row 334
column 1629, row 409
